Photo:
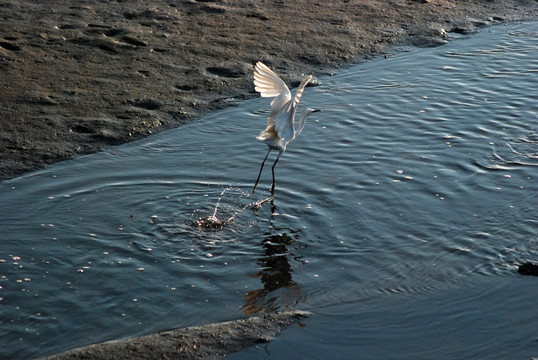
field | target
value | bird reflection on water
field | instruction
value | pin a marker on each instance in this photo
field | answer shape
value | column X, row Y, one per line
column 279, row 290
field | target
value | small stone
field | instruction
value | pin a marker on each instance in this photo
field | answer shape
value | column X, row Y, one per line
column 528, row 268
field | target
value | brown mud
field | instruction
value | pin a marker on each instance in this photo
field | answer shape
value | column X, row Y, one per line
column 211, row 341
column 79, row 76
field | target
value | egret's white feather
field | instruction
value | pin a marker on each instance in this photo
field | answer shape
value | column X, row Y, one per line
column 280, row 125
column 269, row 84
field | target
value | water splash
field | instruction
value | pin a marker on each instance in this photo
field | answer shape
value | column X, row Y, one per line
column 213, row 222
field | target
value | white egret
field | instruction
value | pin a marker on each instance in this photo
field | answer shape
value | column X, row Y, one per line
column 280, row 128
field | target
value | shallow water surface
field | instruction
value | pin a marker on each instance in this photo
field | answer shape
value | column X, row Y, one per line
column 401, row 214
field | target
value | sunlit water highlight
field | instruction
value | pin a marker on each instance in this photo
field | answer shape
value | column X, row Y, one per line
column 403, row 208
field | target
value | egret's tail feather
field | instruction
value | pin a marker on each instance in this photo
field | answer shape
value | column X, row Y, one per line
column 267, row 134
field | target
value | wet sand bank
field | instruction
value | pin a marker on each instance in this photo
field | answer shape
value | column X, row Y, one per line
column 211, row 341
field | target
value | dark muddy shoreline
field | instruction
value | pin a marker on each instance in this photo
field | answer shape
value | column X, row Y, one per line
column 79, row 76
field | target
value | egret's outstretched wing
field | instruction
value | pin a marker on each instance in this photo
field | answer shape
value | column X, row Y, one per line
column 300, row 90
column 284, row 119
column 268, row 84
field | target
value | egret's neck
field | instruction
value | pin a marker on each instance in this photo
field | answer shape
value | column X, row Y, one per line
column 302, row 121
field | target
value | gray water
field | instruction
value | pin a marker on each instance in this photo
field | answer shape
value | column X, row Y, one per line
column 401, row 214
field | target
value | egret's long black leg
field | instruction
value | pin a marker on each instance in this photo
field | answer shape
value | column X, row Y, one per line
column 273, row 171
column 261, row 168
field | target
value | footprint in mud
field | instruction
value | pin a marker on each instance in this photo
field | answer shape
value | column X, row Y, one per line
column 99, row 128
column 41, row 98
column 185, row 87
column 133, row 41
column 109, row 39
column 10, row 46
column 123, row 36
column 229, row 71
column 146, row 104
